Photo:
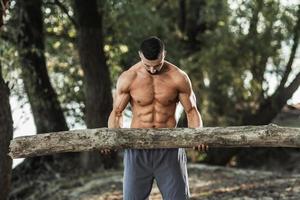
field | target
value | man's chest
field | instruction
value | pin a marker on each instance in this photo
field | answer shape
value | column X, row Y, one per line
column 145, row 90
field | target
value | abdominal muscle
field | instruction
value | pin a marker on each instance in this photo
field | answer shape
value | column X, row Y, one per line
column 145, row 118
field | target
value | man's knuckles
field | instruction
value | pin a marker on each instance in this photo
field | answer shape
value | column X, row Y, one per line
column 201, row 147
column 105, row 151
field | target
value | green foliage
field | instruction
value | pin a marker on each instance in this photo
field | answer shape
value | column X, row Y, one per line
column 63, row 61
column 235, row 59
column 11, row 70
column 127, row 23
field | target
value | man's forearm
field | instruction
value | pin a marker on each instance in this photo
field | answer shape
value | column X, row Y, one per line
column 194, row 119
column 115, row 120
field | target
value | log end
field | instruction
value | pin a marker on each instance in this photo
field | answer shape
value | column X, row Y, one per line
column 10, row 154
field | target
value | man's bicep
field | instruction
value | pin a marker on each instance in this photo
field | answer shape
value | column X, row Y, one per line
column 121, row 100
column 188, row 101
column 186, row 94
column 122, row 95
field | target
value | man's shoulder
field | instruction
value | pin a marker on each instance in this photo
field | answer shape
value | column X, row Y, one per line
column 129, row 74
column 181, row 80
column 176, row 72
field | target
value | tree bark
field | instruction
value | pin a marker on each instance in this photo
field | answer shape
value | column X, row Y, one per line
column 6, row 133
column 138, row 138
column 98, row 97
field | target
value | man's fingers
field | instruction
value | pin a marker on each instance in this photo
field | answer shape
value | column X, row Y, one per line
column 205, row 148
column 105, row 151
column 201, row 147
column 198, row 148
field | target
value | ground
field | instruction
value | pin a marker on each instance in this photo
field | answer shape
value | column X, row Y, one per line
column 206, row 183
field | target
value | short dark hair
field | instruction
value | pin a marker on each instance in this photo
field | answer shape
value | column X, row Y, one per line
column 152, row 47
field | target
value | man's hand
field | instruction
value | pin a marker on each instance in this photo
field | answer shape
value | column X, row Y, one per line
column 106, row 151
column 201, row 147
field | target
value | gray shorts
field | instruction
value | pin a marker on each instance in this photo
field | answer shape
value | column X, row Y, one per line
column 166, row 166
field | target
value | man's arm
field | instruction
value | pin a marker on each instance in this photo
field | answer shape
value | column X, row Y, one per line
column 188, row 100
column 121, row 100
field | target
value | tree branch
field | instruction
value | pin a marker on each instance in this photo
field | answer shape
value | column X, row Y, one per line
column 252, row 35
column 289, row 64
column 104, row 138
column 294, row 85
column 3, row 7
column 254, row 20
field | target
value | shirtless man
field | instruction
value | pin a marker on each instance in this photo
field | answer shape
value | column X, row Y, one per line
column 153, row 87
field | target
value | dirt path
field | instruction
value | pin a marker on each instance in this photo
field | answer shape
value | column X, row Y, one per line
column 206, row 183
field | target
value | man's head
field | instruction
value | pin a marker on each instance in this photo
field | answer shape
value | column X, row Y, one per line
column 152, row 54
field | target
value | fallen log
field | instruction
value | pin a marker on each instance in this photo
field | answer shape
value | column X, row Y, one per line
column 103, row 138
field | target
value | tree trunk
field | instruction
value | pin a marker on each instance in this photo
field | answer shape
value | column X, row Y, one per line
column 98, row 97
column 182, row 15
column 46, row 110
column 6, row 133
column 191, row 22
column 140, row 138
column 48, row 115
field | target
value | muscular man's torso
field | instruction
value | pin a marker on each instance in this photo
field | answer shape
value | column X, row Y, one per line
column 153, row 98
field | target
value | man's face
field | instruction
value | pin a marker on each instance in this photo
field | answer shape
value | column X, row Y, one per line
column 153, row 66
